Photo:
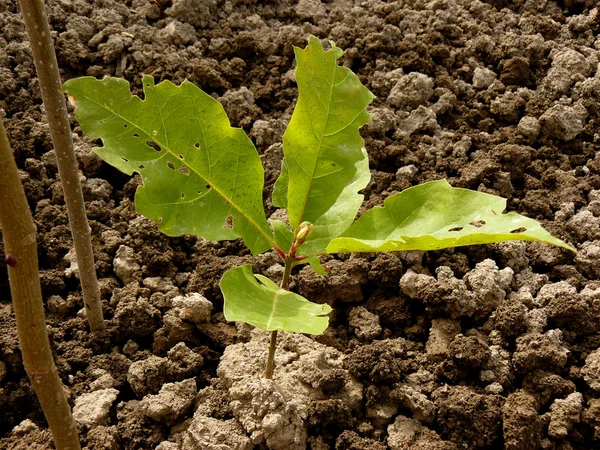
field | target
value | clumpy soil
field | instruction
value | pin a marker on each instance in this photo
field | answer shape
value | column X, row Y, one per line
column 487, row 347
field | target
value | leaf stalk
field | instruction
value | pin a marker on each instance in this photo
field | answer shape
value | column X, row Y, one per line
column 289, row 263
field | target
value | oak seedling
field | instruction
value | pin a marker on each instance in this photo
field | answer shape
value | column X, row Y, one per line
column 201, row 176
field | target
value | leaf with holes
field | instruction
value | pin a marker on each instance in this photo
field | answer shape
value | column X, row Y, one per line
column 435, row 215
column 325, row 163
column 256, row 300
column 200, row 176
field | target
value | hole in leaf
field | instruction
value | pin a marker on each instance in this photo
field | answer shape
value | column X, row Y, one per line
column 180, row 156
column 160, row 219
column 182, row 195
column 135, row 135
column 478, row 223
column 141, row 166
column 197, row 145
column 153, row 145
column 184, row 170
column 519, row 230
column 170, row 165
column 208, row 186
column 125, row 159
column 456, row 229
column 124, row 125
column 229, row 223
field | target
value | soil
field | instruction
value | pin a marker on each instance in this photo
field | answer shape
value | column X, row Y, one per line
column 485, row 347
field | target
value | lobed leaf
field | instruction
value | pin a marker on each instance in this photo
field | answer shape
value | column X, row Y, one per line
column 325, row 163
column 435, row 215
column 200, row 176
column 268, row 307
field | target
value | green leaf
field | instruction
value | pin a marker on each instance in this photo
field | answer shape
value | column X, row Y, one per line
column 283, row 234
column 268, row 307
column 435, row 215
column 198, row 172
column 325, row 164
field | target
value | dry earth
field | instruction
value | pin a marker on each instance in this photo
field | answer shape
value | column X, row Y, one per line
column 488, row 347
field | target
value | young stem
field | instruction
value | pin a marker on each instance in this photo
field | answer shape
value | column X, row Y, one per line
column 44, row 57
column 289, row 261
column 18, row 231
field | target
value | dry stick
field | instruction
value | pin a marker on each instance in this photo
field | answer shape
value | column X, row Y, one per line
column 20, row 245
column 36, row 21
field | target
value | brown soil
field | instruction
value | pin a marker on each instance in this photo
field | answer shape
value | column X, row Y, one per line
column 487, row 347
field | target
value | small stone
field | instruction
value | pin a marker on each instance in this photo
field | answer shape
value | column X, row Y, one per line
column 73, row 269
column 407, row 172
column 562, row 122
column 529, row 127
column 482, row 78
column 104, row 381
column 93, row 409
column 193, row 308
column 173, row 400
column 124, row 264
column 197, row 13
column 411, row 91
column 25, row 427
column 178, row 33
column 96, row 189
column 58, row 306
column 441, row 334
column 145, row 376
column 365, row 323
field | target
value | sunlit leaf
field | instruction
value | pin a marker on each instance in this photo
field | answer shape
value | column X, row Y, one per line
column 325, row 164
column 435, row 215
column 200, row 176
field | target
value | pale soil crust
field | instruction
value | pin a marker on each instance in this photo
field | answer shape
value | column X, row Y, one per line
column 489, row 347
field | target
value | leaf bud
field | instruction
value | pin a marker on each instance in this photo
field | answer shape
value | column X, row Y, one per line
column 304, row 229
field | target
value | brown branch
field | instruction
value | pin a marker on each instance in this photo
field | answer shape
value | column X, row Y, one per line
column 19, row 233
column 38, row 30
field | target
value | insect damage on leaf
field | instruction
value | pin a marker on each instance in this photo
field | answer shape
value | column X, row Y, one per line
column 200, row 175
column 435, row 215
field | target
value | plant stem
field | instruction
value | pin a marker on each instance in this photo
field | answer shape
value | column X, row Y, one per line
column 289, row 261
column 20, row 245
column 44, row 57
